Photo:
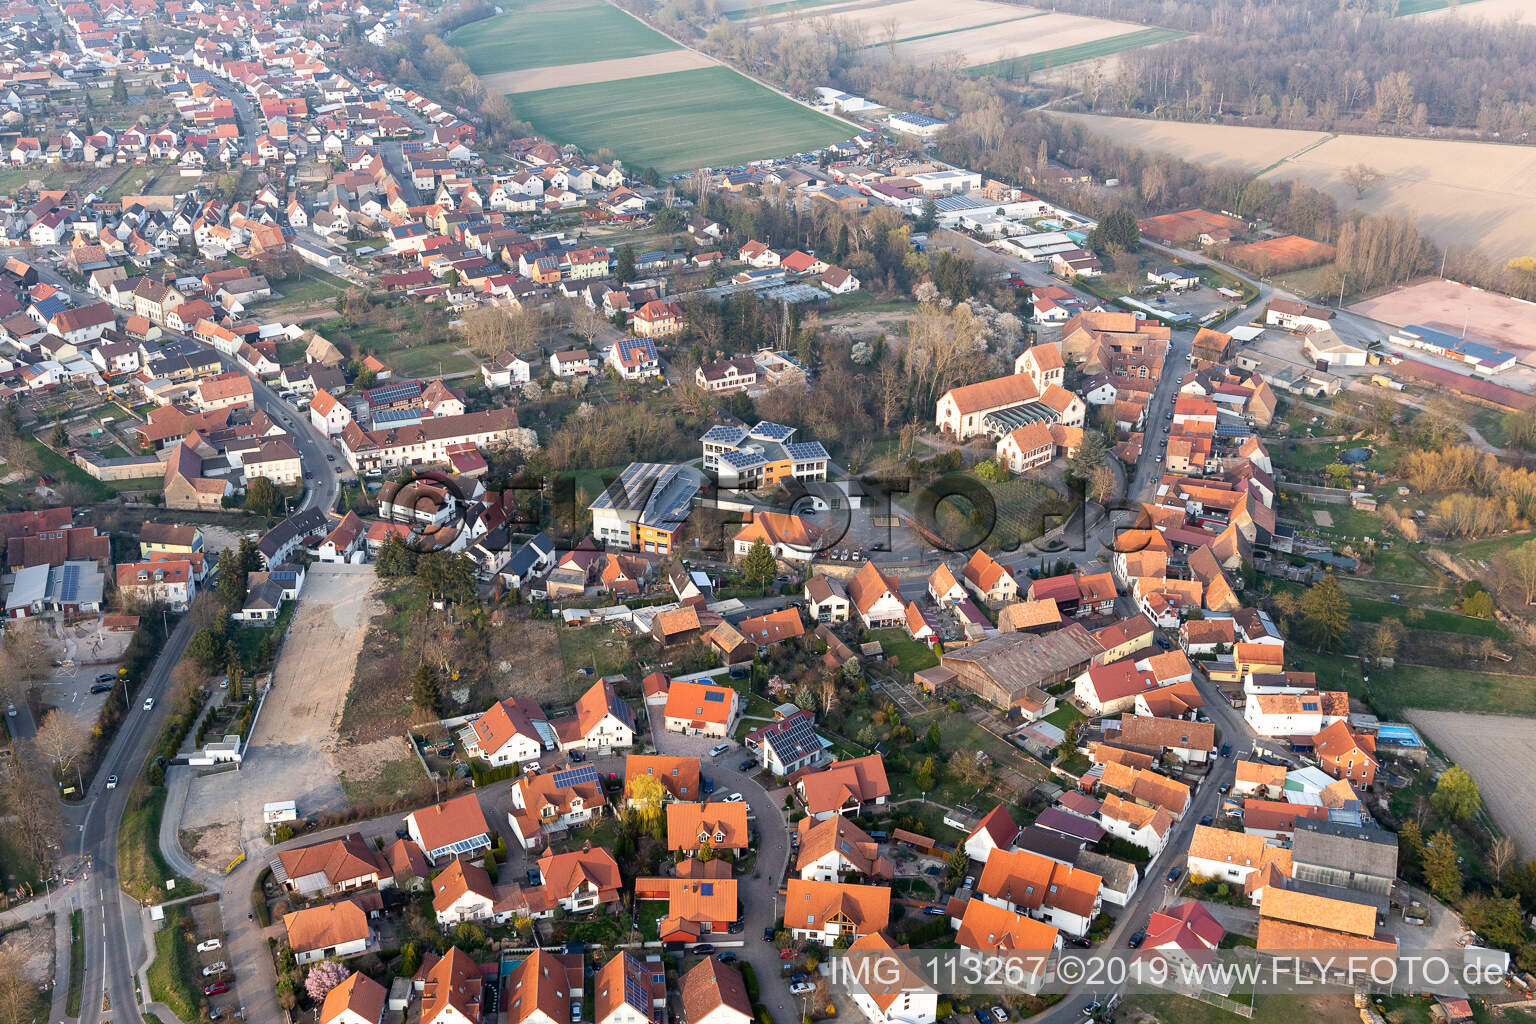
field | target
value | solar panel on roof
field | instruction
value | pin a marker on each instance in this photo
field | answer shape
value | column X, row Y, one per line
column 715, row 696
column 742, row 459
column 707, row 888
column 771, row 431
column 1309, row 705
column 634, row 994
column 575, row 776
column 804, row 451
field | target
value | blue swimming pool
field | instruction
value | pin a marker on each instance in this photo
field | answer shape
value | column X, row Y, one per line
column 1399, row 735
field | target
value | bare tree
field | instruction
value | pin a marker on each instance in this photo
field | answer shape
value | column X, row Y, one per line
column 16, row 990
column 25, row 649
column 486, row 331
column 587, row 321
column 61, row 739
column 1361, row 178
column 1500, row 856
column 33, row 804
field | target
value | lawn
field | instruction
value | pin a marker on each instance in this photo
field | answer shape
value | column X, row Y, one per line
column 76, row 962
column 678, row 121
column 903, row 653
column 430, row 360
column 597, row 648
column 1011, row 67
column 310, row 286
column 173, row 976
column 1365, row 610
column 552, row 36
column 141, row 869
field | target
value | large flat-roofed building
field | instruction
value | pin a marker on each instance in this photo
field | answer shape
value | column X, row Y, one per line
column 1353, row 856
column 646, row 507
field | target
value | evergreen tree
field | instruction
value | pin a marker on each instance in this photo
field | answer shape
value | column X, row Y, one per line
column 231, row 586
column 424, row 689
column 1324, row 615
column 60, row 438
column 395, row 558
column 119, row 89
column 262, row 497
column 1441, row 872
column 625, row 270
column 759, row 566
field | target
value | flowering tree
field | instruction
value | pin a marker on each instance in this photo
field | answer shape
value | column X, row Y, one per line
column 324, row 977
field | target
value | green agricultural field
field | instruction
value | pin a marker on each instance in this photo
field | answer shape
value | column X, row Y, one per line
column 673, row 122
column 1079, row 52
column 529, row 38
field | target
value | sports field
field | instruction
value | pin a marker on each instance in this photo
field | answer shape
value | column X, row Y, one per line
column 1280, row 255
column 707, row 117
column 1454, row 308
column 536, row 37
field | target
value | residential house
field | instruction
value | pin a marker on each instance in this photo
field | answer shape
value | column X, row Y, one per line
column 701, row 709
column 335, row 866
column 827, row 912
column 834, row 848
column 453, row 828
column 329, row 931
column 843, row 787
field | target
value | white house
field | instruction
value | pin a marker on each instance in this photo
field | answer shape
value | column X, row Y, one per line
column 327, row 414
column 1146, row 827
column 512, row 731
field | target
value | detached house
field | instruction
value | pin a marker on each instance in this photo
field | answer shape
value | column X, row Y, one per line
column 844, row 787
column 547, row 804
column 634, row 359
column 581, row 880
column 701, row 709
column 511, row 732
column 827, row 912
column 330, row 931
column 454, row 828
column 340, row 865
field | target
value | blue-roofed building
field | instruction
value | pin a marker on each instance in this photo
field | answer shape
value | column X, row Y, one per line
column 383, row 419
column 761, row 456
column 1483, row 358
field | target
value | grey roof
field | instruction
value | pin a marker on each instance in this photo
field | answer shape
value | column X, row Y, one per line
column 1016, row 661
column 1118, row 875
column 525, row 557
column 662, row 493
column 1049, row 843
column 1361, row 850
column 308, row 522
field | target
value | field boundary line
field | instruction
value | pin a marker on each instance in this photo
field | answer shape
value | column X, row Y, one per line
column 727, row 64
column 1300, row 152
column 965, row 28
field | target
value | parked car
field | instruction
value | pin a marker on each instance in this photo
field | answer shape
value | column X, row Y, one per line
column 707, row 784
column 1226, row 750
column 213, row 968
column 1000, row 1015
column 1174, row 873
column 531, row 768
column 747, row 765
column 726, row 958
column 735, row 798
column 704, row 948
column 768, row 934
column 801, row 988
column 111, row 781
column 718, row 749
column 1079, row 941
column 787, row 954
column 933, row 869
column 209, row 945
column 102, row 688
column 105, row 677
column 1137, row 940
column 577, row 757
column 1206, row 820
column 934, row 910
column 216, row 988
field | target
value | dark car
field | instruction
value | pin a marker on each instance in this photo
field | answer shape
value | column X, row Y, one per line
column 726, row 958
column 797, row 977
column 1226, row 750
column 216, row 988
column 401, row 833
column 534, row 878
column 330, row 458
column 982, row 1017
column 577, row 757
column 707, row 784
column 1137, row 940
column 1206, row 820
column 105, row 677
column 1174, row 873
column 747, row 765
column 768, row 934
column 102, row 688
column 704, row 948
column 1079, row 941
column 934, row 910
